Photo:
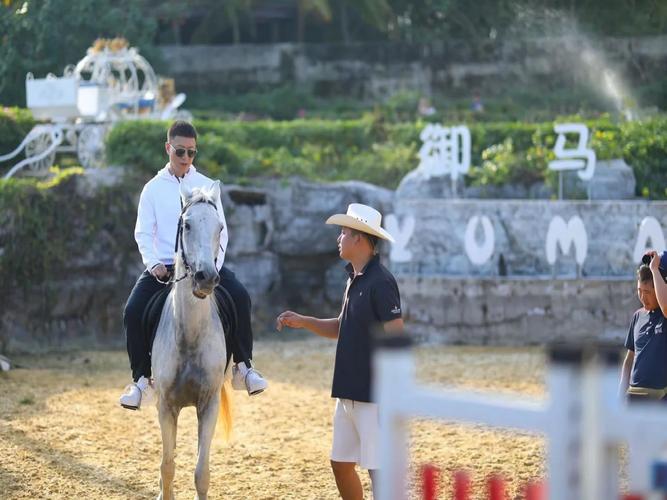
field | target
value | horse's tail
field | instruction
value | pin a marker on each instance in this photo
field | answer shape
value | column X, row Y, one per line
column 225, row 412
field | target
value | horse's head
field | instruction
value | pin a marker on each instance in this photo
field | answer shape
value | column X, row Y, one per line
column 199, row 236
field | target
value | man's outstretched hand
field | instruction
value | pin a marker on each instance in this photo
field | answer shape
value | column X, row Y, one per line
column 289, row 319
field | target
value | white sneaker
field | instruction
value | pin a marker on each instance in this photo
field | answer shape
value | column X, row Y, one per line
column 248, row 379
column 139, row 392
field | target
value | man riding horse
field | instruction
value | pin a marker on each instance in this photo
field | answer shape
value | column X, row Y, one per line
column 155, row 232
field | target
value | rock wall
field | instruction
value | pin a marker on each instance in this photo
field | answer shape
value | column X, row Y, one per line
column 81, row 299
column 287, row 257
column 517, row 311
column 380, row 69
column 515, row 298
column 447, row 234
column 292, row 260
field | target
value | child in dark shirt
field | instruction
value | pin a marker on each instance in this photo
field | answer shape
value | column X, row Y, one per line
column 644, row 373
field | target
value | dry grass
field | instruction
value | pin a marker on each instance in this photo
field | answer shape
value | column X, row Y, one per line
column 62, row 434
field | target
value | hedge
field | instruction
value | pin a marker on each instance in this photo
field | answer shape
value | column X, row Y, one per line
column 374, row 150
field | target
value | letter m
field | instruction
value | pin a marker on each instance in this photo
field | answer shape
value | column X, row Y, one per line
column 565, row 235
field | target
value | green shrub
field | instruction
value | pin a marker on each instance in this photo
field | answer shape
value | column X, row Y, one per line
column 384, row 165
column 15, row 123
column 644, row 146
column 280, row 103
column 138, row 145
column 374, row 150
column 28, row 214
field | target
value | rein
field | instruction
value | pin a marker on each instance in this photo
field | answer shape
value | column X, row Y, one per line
column 179, row 241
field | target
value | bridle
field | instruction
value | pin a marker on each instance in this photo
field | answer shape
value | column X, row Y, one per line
column 178, row 246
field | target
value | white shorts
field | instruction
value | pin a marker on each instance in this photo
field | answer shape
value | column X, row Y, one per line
column 356, row 433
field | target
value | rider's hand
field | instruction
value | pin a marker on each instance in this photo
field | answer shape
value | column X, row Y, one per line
column 655, row 261
column 160, row 272
column 289, row 319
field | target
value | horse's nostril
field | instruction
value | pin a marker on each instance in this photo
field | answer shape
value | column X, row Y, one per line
column 216, row 280
column 199, row 276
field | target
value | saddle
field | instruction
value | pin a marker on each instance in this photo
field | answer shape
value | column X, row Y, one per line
column 223, row 300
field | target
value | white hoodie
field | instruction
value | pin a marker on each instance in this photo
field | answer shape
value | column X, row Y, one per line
column 158, row 213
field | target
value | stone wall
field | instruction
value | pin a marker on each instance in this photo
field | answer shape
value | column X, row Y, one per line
column 520, row 233
column 380, row 69
column 446, row 298
column 287, row 257
column 505, row 311
column 82, row 299
column 293, row 259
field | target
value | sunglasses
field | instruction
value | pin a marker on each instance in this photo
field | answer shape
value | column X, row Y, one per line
column 180, row 152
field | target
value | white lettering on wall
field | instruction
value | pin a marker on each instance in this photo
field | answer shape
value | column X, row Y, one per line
column 479, row 254
column 445, row 151
column 566, row 235
column 581, row 158
column 649, row 230
column 401, row 235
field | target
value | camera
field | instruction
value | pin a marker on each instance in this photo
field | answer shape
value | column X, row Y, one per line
column 662, row 263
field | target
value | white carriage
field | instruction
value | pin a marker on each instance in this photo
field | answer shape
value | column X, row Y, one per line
column 113, row 82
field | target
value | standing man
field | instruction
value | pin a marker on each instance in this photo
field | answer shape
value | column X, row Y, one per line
column 644, row 372
column 155, row 232
column 371, row 299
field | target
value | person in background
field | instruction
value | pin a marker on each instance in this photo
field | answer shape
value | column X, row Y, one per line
column 644, row 372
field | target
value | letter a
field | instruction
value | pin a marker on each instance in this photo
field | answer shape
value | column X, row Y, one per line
column 649, row 229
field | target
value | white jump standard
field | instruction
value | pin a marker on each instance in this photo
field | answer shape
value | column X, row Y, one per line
column 583, row 420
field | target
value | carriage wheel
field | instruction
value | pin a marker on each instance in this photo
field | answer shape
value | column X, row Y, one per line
column 90, row 146
column 40, row 143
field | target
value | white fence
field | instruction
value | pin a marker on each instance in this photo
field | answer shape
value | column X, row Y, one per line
column 583, row 420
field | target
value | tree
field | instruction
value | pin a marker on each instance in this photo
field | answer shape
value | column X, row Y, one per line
column 220, row 16
column 375, row 13
column 305, row 7
column 426, row 20
column 172, row 13
column 43, row 36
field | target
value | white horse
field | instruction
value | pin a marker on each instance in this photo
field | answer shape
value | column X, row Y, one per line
column 189, row 358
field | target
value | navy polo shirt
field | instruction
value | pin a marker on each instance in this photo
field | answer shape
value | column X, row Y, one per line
column 648, row 339
column 371, row 298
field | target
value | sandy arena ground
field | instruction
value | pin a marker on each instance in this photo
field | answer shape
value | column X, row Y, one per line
column 62, row 434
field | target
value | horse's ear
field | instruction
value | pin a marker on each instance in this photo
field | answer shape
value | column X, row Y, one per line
column 186, row 193
column 215, row 191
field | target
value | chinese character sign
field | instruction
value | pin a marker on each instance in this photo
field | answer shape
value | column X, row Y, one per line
column 445, row 151
column 581, row 158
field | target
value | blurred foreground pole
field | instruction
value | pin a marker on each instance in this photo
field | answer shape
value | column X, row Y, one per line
column 393, row 381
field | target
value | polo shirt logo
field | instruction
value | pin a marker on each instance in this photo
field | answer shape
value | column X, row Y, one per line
column 396, row 310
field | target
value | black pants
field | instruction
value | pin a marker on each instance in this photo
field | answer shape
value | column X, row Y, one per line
column 139, row 342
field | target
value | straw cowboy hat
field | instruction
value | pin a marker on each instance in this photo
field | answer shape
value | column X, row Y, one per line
column 362, row 218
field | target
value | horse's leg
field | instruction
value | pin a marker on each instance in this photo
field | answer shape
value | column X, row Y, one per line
column 207, row 416
column 168, row 417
